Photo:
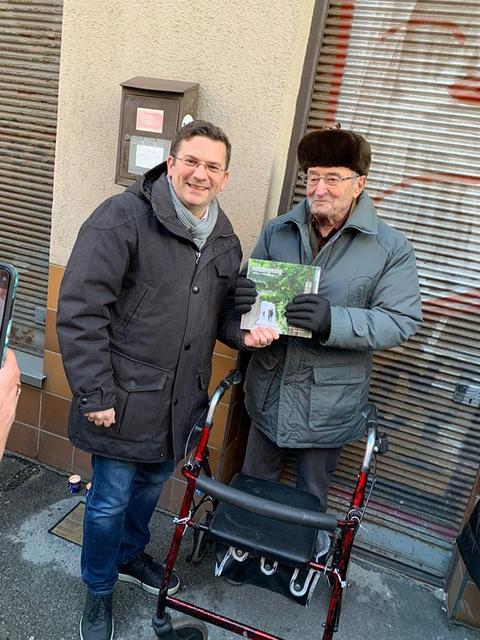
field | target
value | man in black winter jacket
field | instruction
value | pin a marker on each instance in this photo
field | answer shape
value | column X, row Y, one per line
column 145, row 294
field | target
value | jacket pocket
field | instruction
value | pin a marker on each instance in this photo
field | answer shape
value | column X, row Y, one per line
column 222, row 274
column 227, row 263
column 196, row 395
column 203, row 377
column 360, row 292
column 224, row 269
column 261, row 373
column 219, row 276
column 335, row 394
column 134, row 309
column 141, row 400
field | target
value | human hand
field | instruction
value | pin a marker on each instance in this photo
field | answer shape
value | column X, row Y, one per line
column 101, row 418
column 9, row 392
column 244, row 295
column 260, row 337
column 310, row 311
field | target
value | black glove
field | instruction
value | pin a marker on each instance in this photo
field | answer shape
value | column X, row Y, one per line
column 310, row 311
column 244, row 295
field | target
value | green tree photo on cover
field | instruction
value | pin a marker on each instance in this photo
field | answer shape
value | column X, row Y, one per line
column 277, row 284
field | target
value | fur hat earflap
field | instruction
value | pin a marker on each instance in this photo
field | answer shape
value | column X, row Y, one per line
column 335, row 147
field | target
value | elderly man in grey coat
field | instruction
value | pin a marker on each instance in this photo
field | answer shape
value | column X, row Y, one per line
column 307, row 394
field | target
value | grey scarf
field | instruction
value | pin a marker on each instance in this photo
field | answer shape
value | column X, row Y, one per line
column 200, row 229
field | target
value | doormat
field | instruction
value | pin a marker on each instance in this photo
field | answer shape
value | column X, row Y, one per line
column 70, row 527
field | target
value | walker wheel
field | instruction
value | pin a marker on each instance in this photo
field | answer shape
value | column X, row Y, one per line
column 187, row 628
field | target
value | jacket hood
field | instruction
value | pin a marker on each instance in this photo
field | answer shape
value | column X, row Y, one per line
column 143, row 186
column 153, row 187
column 363, row 217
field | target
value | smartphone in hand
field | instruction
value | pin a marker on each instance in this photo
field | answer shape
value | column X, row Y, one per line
column 8, row 288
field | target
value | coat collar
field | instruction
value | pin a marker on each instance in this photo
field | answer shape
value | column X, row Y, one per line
column 363, row 218
column 153, row 187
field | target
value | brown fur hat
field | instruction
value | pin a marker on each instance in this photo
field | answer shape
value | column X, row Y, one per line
column 334, row 148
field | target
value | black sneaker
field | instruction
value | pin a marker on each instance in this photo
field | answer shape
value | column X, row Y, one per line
column 148, row 574
column 96, row 622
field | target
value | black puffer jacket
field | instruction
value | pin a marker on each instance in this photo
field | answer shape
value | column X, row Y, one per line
column 139, row 312
column 469, row 544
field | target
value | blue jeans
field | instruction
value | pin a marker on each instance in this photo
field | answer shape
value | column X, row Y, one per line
column 118, row 509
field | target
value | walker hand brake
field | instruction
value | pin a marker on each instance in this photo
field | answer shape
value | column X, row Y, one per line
column 381, row 444
column 234, row 377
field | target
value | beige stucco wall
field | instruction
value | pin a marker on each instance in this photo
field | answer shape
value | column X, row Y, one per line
column 247, row 57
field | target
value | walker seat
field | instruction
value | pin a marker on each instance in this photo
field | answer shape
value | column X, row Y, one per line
column 284, row 542
column 251, row 548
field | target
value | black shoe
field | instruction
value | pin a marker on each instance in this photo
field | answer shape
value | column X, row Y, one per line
column 148, row 574
column 97, row 622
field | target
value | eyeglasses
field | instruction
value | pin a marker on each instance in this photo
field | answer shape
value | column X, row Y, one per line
column 193, row 163
column 330, row 179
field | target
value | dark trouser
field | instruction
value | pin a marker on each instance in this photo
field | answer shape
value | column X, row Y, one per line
column 315, row 467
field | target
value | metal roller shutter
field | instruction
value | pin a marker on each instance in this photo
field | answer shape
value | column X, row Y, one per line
column 405, row 74
column 30, row 31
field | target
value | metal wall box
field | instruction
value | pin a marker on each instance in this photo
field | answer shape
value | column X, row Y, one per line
column 152, row 111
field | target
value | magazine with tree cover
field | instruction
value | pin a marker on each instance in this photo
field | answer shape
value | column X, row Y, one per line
column 277, row 284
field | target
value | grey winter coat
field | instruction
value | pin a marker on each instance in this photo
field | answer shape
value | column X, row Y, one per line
column 302, row 392
column 139, row 312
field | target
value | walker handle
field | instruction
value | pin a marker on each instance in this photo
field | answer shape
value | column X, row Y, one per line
column 264, row 507
column 234, row 377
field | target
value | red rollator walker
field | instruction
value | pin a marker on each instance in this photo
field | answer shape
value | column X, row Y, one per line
column 265, row 533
